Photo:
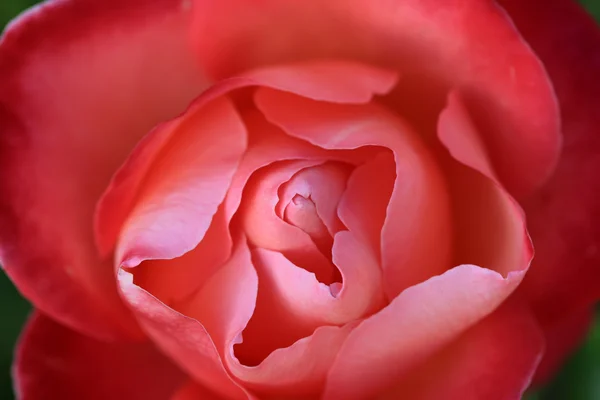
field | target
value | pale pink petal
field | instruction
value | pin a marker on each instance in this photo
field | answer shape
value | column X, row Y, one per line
column 296, row 371
column 419, row 322
column 324, row 184
column 301, row 212
column 174, row 280
column 363, row 208
column 185, row 186
column 226, row 302
column 268, row 144
column 416, row 235
column 265, row 229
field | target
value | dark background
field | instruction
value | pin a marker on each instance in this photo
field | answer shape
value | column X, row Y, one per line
column 578, row 380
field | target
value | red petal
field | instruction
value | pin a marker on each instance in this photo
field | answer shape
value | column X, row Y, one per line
column 562, row 337
column 564, row 217
column 55, row 362
column 82, row 81
column 505, row 81
column 495, row 359
column 489, row 226
column 415, row 241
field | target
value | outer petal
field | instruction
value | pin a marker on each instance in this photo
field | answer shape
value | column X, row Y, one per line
column 439, row 44
column 54, row 362
column 564, row 217
column 82, row 81
column 493, row 360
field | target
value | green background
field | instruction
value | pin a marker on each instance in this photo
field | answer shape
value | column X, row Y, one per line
column 578, row 380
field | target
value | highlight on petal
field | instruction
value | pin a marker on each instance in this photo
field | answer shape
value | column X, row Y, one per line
column 55, row 362
column 420, row 321
column 494, row 359
column 363, row 207
column 185, row 185
column 435, row 43
column 416, row 237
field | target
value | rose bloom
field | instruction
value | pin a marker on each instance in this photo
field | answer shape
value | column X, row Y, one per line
column 278, row 199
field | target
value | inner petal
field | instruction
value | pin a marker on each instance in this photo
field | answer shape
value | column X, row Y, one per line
column 266, row 230
column 302, row 212
column 324, row 185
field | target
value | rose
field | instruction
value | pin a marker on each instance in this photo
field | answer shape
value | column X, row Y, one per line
column 333, row 216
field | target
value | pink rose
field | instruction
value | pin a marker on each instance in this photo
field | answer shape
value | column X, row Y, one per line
column 299, row 200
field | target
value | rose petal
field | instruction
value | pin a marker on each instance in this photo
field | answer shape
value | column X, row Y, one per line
column 495, row 359
column 489, row 226
column 363, row 207
column 416, row 235
column 325, row 185
column 562, row 337
column 295, row 293
column 186, row 185
column 55, row 362
column 231, row 294
column 81, row 83
column 265, row 230
column 193, row 391
column 184, row 339
column 417, row 323
column 298, row 370
column 340, row 82
column 174, row 280
column 564, row 217
column 505, row 82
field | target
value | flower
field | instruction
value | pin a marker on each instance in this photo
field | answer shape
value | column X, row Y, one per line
column 274, row 199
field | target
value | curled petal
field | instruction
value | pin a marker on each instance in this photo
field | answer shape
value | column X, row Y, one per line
column 489, row 226
column 363, row 208
column 265, row 230
column 188, row 182
column 324, row 185
column 420, row 321
column 184, row 339
column 415, row 241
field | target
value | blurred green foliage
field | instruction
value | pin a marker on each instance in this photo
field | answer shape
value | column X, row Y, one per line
column 578, row 380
